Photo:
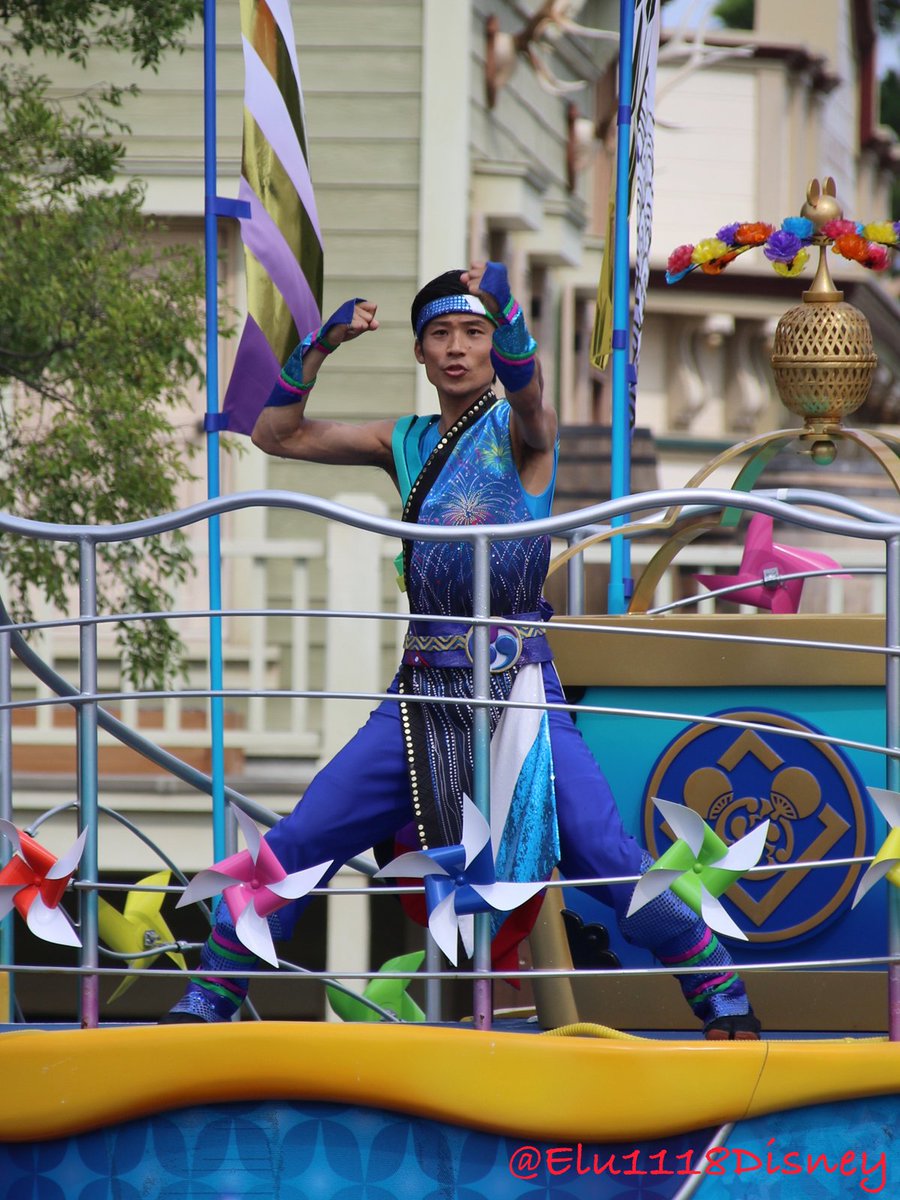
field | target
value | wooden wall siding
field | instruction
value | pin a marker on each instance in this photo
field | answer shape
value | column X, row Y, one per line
column 706, row 157
column 360, row 63
column 839, row 130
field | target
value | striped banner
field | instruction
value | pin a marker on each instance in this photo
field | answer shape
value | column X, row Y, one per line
column 282, row 239
column 640, row 170
column 640, row 178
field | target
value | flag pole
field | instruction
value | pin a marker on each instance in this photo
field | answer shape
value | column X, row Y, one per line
column 620, row 481
column 212, row 425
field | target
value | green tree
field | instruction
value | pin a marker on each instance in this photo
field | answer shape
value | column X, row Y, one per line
column 888, row 12
column 736, row 14
column 98, row 331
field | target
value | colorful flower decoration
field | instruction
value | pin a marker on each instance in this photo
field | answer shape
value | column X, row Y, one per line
column 886, row 863
column 459, row 881
column 254, row 884
column 766, row 561
column 140, row 926
column 390, row 994
column 786, row 247
column 34, row 881
column 699, row 867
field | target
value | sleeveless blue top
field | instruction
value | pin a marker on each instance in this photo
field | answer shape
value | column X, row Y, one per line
column 478, row 485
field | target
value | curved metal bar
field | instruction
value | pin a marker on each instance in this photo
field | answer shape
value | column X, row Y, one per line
column 713, row 499
column 725, row 592
column 852, row 521
column 143, row 746
column 132, row 828
column 521, row 972
column 600, row 709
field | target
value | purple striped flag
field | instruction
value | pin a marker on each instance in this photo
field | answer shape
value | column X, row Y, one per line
column 282, row 240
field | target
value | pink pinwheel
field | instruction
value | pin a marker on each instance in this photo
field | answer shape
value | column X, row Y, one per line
column 254, row 884
column 34, row 881
column 460, row 880
column 766, row 560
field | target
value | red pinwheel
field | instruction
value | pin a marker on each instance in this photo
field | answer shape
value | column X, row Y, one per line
column 34, row 881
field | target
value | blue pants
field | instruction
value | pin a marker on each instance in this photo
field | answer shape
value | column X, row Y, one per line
column 361, row 798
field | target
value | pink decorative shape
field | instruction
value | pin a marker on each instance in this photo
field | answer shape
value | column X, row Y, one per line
column 760, row 555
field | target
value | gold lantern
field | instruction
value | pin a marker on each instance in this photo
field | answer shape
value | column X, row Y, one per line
column 822, row 357
column 823, row 361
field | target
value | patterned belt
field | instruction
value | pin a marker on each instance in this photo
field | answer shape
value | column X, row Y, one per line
column 509, row 644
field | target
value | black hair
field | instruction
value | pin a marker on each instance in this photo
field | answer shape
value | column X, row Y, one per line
column 448, row 284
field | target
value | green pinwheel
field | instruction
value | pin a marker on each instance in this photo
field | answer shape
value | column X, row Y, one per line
column 390, row 994
column 140, row 926
column 699, row 866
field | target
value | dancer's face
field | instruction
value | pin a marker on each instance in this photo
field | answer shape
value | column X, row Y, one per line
column 455, row 350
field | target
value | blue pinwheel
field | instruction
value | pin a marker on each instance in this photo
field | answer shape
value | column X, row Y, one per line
column 460, row 880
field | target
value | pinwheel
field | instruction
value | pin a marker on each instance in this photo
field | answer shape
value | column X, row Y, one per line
column 390, row 994
column 140, row 926
column 699, row 867
column 34, row 880
column 460, row 880
column 766, row 560
column 254, row 884
column 886, row 862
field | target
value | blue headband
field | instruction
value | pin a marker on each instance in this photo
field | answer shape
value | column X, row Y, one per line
column 458, row 302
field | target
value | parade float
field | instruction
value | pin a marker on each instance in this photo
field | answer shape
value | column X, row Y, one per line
column 773, row 808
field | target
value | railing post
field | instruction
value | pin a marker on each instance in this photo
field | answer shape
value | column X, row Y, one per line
column 7, row 945
column 88, row 812
column 892, row 738
column 575, row 580
column 482, row 998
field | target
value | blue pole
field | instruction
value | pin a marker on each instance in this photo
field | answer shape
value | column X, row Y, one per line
column 88, row 782
column 211, row 248
column 620, row 482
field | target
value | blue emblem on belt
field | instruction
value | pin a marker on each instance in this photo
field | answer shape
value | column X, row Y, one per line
column 506, row 646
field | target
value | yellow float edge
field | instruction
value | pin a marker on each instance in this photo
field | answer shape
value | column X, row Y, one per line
column 60, row 1083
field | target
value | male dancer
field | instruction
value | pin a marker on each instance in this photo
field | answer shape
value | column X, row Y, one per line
column 480, row 460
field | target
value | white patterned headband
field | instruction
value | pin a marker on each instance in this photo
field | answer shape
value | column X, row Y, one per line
column 458, row 302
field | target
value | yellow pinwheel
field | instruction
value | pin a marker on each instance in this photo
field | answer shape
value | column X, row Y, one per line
column 886, row 863
column 140, row 926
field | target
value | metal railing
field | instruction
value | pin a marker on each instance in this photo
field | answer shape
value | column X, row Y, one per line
column 821, row 512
